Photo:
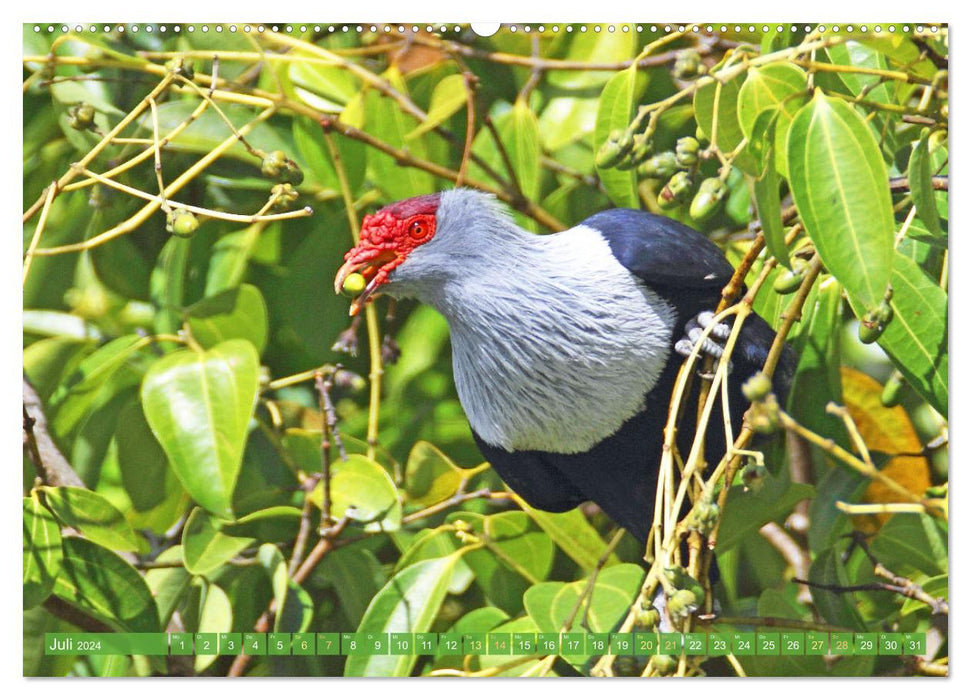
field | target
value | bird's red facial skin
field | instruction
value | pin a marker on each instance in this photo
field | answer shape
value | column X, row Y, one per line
column 387, row 238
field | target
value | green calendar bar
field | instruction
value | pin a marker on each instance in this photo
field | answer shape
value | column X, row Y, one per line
column 645, row 643
column 278, row 643
column 100, row 644
column 817, row 643
column 206, row 643
column 548, row 643
column 762, row 643
column 696, row 644
column 180, row 644
column 230, row 643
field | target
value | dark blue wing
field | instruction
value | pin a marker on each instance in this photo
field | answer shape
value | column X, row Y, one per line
column 661, row 251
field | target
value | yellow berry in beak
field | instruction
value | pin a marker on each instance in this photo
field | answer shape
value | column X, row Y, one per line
column 354, row 284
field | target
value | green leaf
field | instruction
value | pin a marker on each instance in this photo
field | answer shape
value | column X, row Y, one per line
column 432, row 544
column 827, row 523
column 921, row 187
column 549, row 604
column 104, row 585
column 574, row 534
column 49, row 360
column 42, row 552
column 910, row 543
column 362, row 490
column 199, row 405
column 408, row 603
column 519, row 132
column 430, row 476
column 385, row 120
column 94, row 516
column 74, row 398
column 294, row 607
column 145, row 473
column 208, row 130
column 355, row 573
column 168, row 584
column 748, row 511
column 231, row 255
column 766, row 189
column 839, row 183
column 235, row 313
column 916, row 339
column 618, row 102
column 167, row 283
column 778, row 88
column 934, row 586
column 323, row 87
column 836, row 608
column 215, row 616
column 729, row 132
column 205, row 547
column 517, row 553
column 449, row 96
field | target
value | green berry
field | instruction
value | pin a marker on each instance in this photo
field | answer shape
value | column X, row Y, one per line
column 660, row 166
column 675, row 191
column 648, row 618
column 687, row 64
column 890, row 396
column 680, row 184
column 754, row 476
column 704, row 517
column 354, row 284
column 618, row 144
column 711, row 192
column 686, row 150
column 81, row 116
column 874, row 322
column 664, row 664
column 789, row 281
column 764, row 416
column 283, row 195
column 181, row 222
column 757, row 387
column 682, row 604
column 643, row 147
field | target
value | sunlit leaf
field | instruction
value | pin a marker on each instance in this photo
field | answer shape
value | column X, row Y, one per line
column 776, row 87
column 199, row 404
column 205, row 547
column 916, row 340
column 42, row 551
column 106, row 587
column 234, row 313
column 94, row 517
column 449, row 96
column 921, row 188
column 618, row 102
column 408, row 603
column 839, row 182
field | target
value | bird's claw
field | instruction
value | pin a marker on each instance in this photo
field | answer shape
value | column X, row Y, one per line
column 712, row 346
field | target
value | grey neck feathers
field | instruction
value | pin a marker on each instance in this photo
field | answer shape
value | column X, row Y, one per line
column 555, row 344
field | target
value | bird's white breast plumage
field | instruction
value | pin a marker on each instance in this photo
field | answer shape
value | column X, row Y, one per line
column 555, row 344
column 561, row 358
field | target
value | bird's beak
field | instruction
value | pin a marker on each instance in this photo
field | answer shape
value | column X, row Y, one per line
column 369, row 262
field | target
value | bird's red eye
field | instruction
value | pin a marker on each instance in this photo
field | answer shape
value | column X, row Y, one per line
column 416, row 230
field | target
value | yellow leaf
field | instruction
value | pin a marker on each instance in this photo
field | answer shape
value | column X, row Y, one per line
column 886, row 430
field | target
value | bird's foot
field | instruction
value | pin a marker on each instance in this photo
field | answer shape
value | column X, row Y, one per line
column 713, row 346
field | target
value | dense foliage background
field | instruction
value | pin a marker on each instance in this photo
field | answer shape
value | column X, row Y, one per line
column 209, row 446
